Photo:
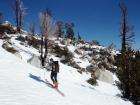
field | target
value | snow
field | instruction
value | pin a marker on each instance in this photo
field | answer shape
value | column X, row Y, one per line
column 82, row 63
column 25, row 48
column 71, row 48
column 115, row 52
column 26, row 52
column 6, row 23
column 23, row 84
column 98, row 47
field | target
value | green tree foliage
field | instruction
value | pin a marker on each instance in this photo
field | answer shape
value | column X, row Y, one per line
column 69, row 30
column 129, row 75
column 32, row 29
column 128, row 63
column 1, row 17
column 60, row 29
column 135, row 79
column 79, row 37
column 123, row 72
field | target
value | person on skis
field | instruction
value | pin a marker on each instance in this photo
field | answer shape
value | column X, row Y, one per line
column 54, row 71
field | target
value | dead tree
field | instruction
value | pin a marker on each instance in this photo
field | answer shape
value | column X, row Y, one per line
column 19, row 12
column 125, row 60
column 45, row 26
column 127, row 34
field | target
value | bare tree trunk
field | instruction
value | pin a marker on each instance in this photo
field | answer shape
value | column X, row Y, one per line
column 41, row 56
column 17, row 14
column 46, row 48
column 124, row 33
column 19, row 11
column 127, row 33
column 45, row 25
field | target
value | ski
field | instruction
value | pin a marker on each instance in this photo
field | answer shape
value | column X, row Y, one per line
column 55, row 87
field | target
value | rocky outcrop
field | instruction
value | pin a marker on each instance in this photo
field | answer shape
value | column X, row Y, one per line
column 8, row 46
column 7, row 27
column 100, row 73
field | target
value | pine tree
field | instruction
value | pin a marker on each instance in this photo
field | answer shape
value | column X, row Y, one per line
column 124, row 72
column 128, row 65
column 135, row 78
column 79, row 37
column 1, row 17
column 60, row 29
column 69, row 30
column 32, row 29
column 128, row 74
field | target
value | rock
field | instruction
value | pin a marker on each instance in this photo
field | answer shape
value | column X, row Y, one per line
column 104, row 52
column 4, row 36
column 8, row 46
column 35, row 61
column 74, row 64
column 104, row 75
column 91, row 68
column 111, row 59
column 78, row 51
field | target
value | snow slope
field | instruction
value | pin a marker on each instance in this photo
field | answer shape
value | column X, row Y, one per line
column 23, row 84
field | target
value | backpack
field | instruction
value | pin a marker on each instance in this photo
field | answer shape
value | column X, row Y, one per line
column 56, row 66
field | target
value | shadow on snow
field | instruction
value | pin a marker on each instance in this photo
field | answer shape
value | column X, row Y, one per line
column 38, row 79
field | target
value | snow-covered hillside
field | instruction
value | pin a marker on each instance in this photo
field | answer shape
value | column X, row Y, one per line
column 24, row 84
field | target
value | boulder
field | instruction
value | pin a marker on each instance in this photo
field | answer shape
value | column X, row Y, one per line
column 104, row 75
column 35, row 61
column 8, row 46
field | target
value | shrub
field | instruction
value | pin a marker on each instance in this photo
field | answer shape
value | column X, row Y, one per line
column 74, row 64
column 20, row 38
column 6, row 28
column 95, row 42
column 9, row 49
column 32, row 41
column 67, row 58
column 62, row 52
column 92, row 81
column 128, row 73
column 59, row 51
column 4, row 36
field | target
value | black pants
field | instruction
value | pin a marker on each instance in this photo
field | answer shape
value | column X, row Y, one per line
column 54, row 76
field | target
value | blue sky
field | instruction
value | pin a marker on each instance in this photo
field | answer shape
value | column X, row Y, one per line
column 94, row 19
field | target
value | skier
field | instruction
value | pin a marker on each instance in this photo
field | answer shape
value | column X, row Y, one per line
column 54, row 71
